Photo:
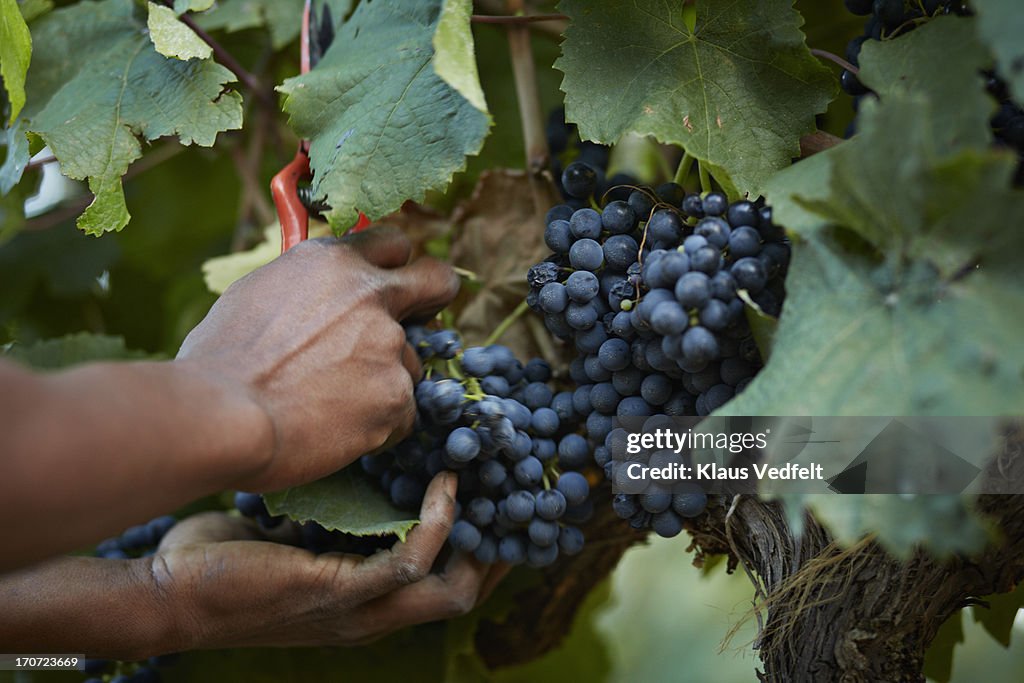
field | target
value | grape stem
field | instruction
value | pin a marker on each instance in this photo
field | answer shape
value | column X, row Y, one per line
column 683, row 169
column 705, row 177
column 825, row 54
column 524, row 74
column 503, row 326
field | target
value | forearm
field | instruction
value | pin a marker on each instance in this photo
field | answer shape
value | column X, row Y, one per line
column 95, row 449
column 83, row 605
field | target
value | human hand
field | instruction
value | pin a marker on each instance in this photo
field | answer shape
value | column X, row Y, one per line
column 228, row 588
column 314, row 338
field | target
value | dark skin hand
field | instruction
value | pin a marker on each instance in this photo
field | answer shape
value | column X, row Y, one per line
column 298, row 369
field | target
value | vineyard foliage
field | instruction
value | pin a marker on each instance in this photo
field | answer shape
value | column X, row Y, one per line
column 903, row 287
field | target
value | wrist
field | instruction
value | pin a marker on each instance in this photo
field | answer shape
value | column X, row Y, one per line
column 239, row 430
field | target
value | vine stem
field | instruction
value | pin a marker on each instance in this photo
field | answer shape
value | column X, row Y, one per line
column 825, row 54
column 683, row 169
column 519, row 19
column 524, row 74
column 228, row 61
column 705, row 178
column 508, row 322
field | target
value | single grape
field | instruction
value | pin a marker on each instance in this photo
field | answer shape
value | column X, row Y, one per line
column 669, row 318
column 529, row 471
column 586, row 254
column 574, row 487
column 462, row 445
column 585, row 223
column 558, row 236
column 667, row 524
column 477, row 362
column 620, row 251
column 542, row 532
column 700, row 344
column 693, row 290
column 618, row 218
column 715, row 204
column 614, row 354
column 573, row 452
column 570, row 540
column 407, row 491
column 512, row 549
column 545, row 422
column 579, row 180
column 481, row 511
column 582, row 286
column 520, row 505
column 492, row 474
column 553, row 298
column 665, row 226
column 749, row 274
column 550, row 505
column 464, row 536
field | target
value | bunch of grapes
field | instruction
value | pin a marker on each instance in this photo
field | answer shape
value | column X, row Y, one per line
column 511, row 439
column 652, row 291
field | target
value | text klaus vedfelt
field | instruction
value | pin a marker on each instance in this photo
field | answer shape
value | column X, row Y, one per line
column 666, row 439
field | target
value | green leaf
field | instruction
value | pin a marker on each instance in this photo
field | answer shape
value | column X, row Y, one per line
column 383, row 126
column 182, row 6
column 172, row 38
column 347, row 502
column 15, row 54
column 1001, row 25
column 17, row 157
column 220, row 271
column 73, row 349
column 938, row 660
column 454, row 56
column 859, row 338
column 910, row 200
column 941, row 524
column 282, row 18
column 919, row 64
column 999, row 617
column 737, row 91
column 100, row 88
column 33, row 9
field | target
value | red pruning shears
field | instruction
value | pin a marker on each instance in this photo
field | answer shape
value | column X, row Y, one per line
column 292, row 213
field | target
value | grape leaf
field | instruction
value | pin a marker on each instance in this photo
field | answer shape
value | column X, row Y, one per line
column 52, row 354
column 282, row 18
column 384, row 126
column 454, row 58
column 32, row 9
column 16, row 143
column 941, row 61
column 100, row 86
column 171, row 38
column 1001, row 25
column 737, row 91
column 15, row 53
column 999, row 616
column 182, row 6
column 913, row 322
column 857, row 337
column 346, row 501
column 938, row 659
column 915, row 200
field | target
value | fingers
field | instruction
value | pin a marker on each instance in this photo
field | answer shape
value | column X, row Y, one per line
column 422, row 288
column 439, row 596
column 411, row 361
column 384, row 247
column 410, row 562
column 217, row 527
